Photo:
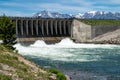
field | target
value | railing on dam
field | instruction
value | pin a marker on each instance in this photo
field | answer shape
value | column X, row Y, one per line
column 27, row 27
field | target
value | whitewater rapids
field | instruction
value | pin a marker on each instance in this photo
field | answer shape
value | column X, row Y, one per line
column 66, row 50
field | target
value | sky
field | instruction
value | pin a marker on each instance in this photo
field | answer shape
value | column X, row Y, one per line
column 30, row 7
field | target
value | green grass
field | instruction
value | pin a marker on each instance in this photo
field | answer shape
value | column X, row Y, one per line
column 1, row 67
column 5, row 77
column 9, row 60
column 25, row 75
column 94, row 22
column 59, row 75
column 21, row 69
column 53, row 70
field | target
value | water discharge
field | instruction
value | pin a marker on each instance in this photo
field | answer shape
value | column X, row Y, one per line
column 95, row 58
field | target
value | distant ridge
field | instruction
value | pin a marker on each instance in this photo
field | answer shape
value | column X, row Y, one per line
column 87, row 15
column 47, row 14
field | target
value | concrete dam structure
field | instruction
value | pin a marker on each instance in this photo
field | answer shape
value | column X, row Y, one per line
column 50, row 29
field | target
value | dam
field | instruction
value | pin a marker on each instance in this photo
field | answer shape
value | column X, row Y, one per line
column 50, row 29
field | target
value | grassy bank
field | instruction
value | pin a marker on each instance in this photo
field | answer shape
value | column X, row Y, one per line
column 15, row 67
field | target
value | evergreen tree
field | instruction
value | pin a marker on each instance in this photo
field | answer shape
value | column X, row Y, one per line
column 7, row 32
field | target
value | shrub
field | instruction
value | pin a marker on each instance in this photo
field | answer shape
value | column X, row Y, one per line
column 53, row 70
column 59, row 75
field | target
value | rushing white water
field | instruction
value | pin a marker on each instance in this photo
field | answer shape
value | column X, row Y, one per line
column 67, row 43
column 66, row 50
column 1, row 41
column 73, row 57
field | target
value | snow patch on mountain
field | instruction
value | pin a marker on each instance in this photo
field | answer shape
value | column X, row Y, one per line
column 79, row 15
column 46, row 14
column 100, row 15
column 87, row 15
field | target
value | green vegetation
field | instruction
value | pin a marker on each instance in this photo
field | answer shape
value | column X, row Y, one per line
column 5, row 77
column 1, row 67
column 7, row 32
column 12, row 64
column 101, row 22
column 60, row 76
column 18, row 67
column 53, row 70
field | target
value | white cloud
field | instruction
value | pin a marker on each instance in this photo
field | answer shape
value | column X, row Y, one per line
column 65, row 6
column 61, row 7
column 48, row 6
column 80, row 2
column 115, row 1
column 13, row 13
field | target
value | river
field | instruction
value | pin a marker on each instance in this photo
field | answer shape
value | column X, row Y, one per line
column 79, row 61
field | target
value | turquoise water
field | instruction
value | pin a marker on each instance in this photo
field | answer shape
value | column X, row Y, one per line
column 80, row 61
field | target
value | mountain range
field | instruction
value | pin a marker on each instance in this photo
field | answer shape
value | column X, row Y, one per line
column 47, row 14
column 87, row 15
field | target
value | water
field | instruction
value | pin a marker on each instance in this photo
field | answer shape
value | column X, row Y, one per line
column 80, row 61
column 1, row 41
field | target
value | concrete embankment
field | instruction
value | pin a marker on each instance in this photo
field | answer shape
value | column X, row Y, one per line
column 112, row 37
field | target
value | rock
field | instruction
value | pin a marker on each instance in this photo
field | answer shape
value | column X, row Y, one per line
column 67, row 77
column 52, row 77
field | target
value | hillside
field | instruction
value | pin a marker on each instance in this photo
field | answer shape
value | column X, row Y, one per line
column 15, row 67
column 101, row 22
column 109, row 37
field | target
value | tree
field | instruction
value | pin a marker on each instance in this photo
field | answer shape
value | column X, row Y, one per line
column 7, row 32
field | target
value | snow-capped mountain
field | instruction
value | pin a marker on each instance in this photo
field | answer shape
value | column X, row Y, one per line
column 79, row 15
column 100, row 15
column 87, row 15
column 46, row 14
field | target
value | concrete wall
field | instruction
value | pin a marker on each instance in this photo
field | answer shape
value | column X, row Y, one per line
column 99, row 30
column 81, row 32
column 47, row 29
column 28, row 28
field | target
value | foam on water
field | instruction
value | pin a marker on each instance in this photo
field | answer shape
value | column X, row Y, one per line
column 39, row 43
column 67, row 43
column 66, row 50
column 1, row 41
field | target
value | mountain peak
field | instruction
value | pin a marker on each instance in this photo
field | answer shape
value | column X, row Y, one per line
column 92, row 12
column 87, row 15
column 47, row 14
column 43, row 14
column 101, row 15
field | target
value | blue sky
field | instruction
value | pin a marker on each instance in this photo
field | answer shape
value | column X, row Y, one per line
column 30, row 7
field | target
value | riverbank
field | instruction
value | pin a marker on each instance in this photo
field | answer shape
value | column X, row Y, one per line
column 112, row 37
column 15, row 67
